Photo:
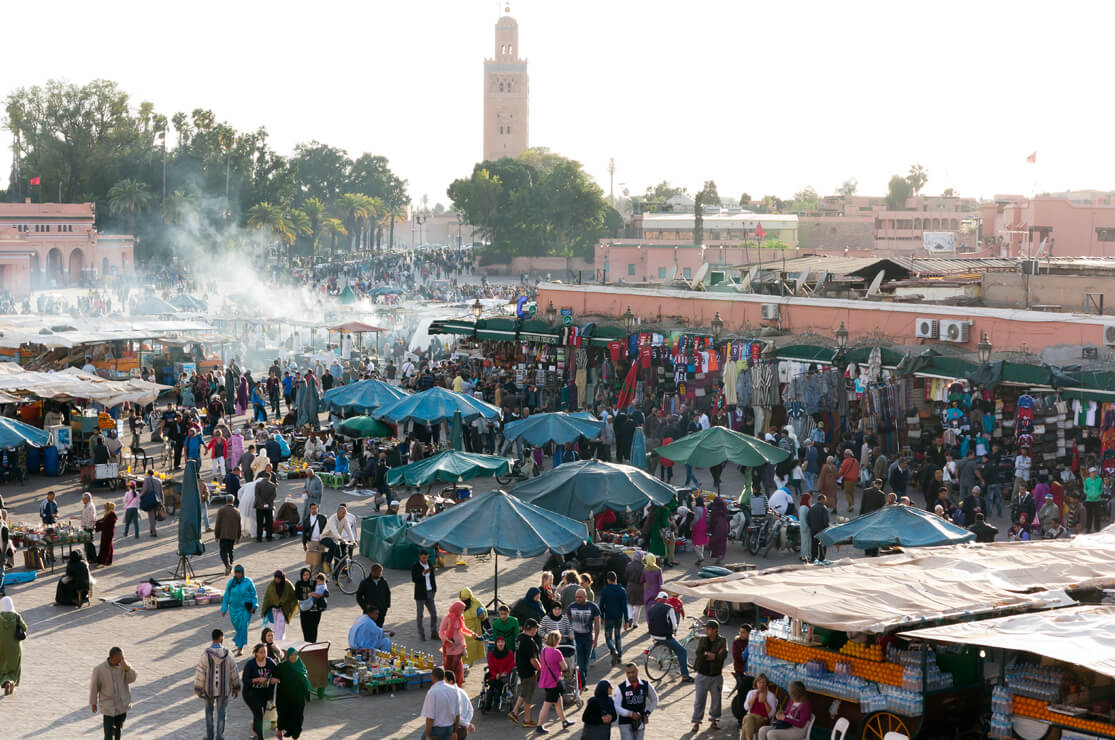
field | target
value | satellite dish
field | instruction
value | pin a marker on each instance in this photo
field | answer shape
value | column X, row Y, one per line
column 748, row 280
column 819, row 282
column 672, row 274
column 699, row 278
column 1041, row 249
column 873, row 289
column 802, row 277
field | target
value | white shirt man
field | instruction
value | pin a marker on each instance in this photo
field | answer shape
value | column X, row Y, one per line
column 88, row 512
column 781, row 501
column 408, row 369
column 340, row 527
column 704, row 421
column 441, row 707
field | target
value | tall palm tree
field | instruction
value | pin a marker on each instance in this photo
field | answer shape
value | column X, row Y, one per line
column 316, row 211
column 333, row 227
column 354, row 209
column 267, row 217
column 177, row 205
column 127, row 197
column 298, row 224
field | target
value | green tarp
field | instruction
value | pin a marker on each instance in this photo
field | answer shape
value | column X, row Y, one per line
column 383, row 539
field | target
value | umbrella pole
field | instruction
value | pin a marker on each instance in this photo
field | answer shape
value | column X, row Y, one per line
column 495, row 602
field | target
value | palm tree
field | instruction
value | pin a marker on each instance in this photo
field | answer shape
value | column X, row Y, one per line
column 125, row 198
column 354, row 209
column 177, row 205
column 298, row 224
column 333, row 227
column 316, row 211
column 266, row 217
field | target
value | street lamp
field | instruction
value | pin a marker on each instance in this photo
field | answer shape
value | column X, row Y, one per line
column 984, row 349
column 477, row 309
column 628, row 320
column 551, row 314
column 717, row 327
column 841, row 343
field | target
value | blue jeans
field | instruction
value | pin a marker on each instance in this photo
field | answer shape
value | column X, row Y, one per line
column 690, row 477
column 683, row 658
column 613, row 628
column 810, row 481
column 131, row 516
column 583, row 641
column 215, row 726
column 994, row 499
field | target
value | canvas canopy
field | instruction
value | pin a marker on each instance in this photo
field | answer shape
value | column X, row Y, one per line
column 926, row 585
column 1083, row 635
column 72, row 383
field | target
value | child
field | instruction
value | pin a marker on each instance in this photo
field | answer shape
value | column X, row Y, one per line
column 320, row 592
column 501, row 661
column 505, row 625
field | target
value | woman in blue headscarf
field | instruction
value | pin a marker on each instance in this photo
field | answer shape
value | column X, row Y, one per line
column 599, row 714
column 239, row 602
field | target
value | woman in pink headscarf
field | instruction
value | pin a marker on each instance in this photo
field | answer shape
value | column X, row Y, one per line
column 453, row 633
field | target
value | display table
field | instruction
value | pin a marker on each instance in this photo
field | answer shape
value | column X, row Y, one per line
column 371, row 672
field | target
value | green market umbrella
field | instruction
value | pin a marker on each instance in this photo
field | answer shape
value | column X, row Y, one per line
column 448, row 467
column 715, row 445
column 436, row 405
column 456, row 432
column 905, row 526
column 364, row 396
column 365, row 426
column 189, row 514
column 558, row 427
column 584, row 488
column 497, row 521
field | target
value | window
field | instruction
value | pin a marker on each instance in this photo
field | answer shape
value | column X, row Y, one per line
column 661, row 273
column 630, row 268
column 687, row 273
column 501, row 130
column 1105, row 235
column 501, row 87
column 508, row 129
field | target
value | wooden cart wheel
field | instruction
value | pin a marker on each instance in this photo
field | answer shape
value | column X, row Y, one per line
column 879, row 724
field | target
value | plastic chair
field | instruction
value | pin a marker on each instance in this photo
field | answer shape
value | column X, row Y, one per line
column 809, row 728
column 840, row 729
column 895, row 736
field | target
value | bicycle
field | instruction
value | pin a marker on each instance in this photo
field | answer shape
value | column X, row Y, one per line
column 348, row 572
column 659, row 659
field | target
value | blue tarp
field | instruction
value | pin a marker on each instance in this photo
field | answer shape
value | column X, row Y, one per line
column 13, row 433
column 364, row 396
column 448, row 467
column 905, row 526
column 436, row 405
column 538, row 429
column 498, row 521
column 586, row 487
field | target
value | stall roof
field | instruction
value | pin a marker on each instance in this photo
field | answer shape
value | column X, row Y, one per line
column 1083, row 635
column 72, row 383
column 936, row 583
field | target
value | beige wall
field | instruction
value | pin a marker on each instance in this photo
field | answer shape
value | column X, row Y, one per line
column 834, row 233
column 1067, row 291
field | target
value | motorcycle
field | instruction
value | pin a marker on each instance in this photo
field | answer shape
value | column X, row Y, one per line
column 758, row 534
column 785, row 534
column 521, row 469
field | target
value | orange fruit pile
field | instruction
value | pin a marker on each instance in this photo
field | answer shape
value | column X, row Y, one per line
column 863, row 652
column 888, row 673
column 1024, row 706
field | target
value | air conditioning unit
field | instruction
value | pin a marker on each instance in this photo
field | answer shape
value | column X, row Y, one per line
column 1109, row 335
column 926, row 328
column 955, row 331
column 769, row 311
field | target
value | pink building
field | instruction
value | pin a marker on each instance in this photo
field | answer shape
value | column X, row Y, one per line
column 44, row 245
column 1014, row 226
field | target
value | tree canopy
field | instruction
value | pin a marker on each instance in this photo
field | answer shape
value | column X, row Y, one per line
column 539, row 204
column 89, row 143
column 899, row 189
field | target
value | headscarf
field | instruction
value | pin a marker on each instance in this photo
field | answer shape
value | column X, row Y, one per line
column 603, row 698
column 299, row 668
column 280, row 587
column 500, row 654
column 238, row 573
column 457, row 610
column 6, row 604
column 465, row 596
column 639, row 555
column 806, row 500
column 650, row 562
column 718, row 506
column 532, row 599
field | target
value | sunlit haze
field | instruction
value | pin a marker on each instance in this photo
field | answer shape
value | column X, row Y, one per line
column 763, row 98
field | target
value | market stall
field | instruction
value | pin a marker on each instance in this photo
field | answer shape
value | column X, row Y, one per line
column 1055, row 670
column 370, row 672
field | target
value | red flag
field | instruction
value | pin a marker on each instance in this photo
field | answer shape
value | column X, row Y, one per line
column 1033, row 158
column 627, row 391
column 35, row 180
column 759, row 232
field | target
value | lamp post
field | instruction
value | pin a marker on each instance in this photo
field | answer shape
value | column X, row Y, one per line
column 628, row 320
column 717, row 328
column 477, row 309
column 551, row 314
column 984, row 349
column 841, row 342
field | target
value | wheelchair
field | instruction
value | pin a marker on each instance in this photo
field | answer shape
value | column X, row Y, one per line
column 499, row 699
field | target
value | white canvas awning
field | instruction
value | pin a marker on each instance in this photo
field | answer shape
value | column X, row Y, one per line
column 1083, row 635
column 72, row 383
column 930, row 584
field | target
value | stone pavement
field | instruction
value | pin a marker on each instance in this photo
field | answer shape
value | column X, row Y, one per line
column 64, row 644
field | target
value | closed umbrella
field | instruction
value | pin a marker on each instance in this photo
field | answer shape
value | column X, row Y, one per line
column 584, row 488
column 904, row 526
column 436, row 405
column 538, row 429
column 365, row 426
column 715, row 445
column 189, row 519
column 364, row 396
column 308, row 402
column 448, row 467
column 456, row 432
column 497, row 521
column 14, row 432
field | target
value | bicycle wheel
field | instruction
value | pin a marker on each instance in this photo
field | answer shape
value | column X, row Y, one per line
column 658, row 661
column 349, row 576
column 722, row 610
column 691, row 653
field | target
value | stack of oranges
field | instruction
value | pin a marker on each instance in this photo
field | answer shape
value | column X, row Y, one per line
column 1024, row 706
column 872, row 670
column 863, row 652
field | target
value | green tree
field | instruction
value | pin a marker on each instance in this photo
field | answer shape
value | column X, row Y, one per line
column 899, row 190
column 270, row 218
column 354, row 209
column 128, row 197
column 849, row 187
column 949, row 193
column 806, row 201
column 917, row 178
column 744, row 200
column 711, row 197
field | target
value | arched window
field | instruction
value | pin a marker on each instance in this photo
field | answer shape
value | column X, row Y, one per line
column 501, row 87
column 509, row 130
column 510, row 49
column 501, row 130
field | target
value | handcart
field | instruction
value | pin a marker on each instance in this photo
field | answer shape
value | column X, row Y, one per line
column 315, row 656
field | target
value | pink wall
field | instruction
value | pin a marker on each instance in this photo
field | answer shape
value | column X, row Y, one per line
column 1072, row 225
column 1008, row 330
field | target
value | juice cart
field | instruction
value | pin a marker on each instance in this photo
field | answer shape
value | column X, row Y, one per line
column 1047, row 672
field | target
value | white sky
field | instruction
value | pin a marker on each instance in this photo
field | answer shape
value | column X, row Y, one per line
column 761, row 97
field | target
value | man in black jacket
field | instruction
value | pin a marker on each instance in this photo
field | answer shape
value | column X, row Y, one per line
column 818, row 520
column 375, row 591
column 425, row 589
column 984, row 532
column 873, row 499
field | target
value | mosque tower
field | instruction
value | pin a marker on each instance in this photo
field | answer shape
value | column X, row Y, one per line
column 506, row 94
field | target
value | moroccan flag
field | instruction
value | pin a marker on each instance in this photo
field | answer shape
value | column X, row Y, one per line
column 627, row 391
column 1033, row 158
column 35, row 180
column 759, row 232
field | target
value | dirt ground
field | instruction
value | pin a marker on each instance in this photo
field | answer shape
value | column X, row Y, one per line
column 64, row 644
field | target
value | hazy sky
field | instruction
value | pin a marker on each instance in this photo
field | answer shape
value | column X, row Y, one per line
column 761, row 97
